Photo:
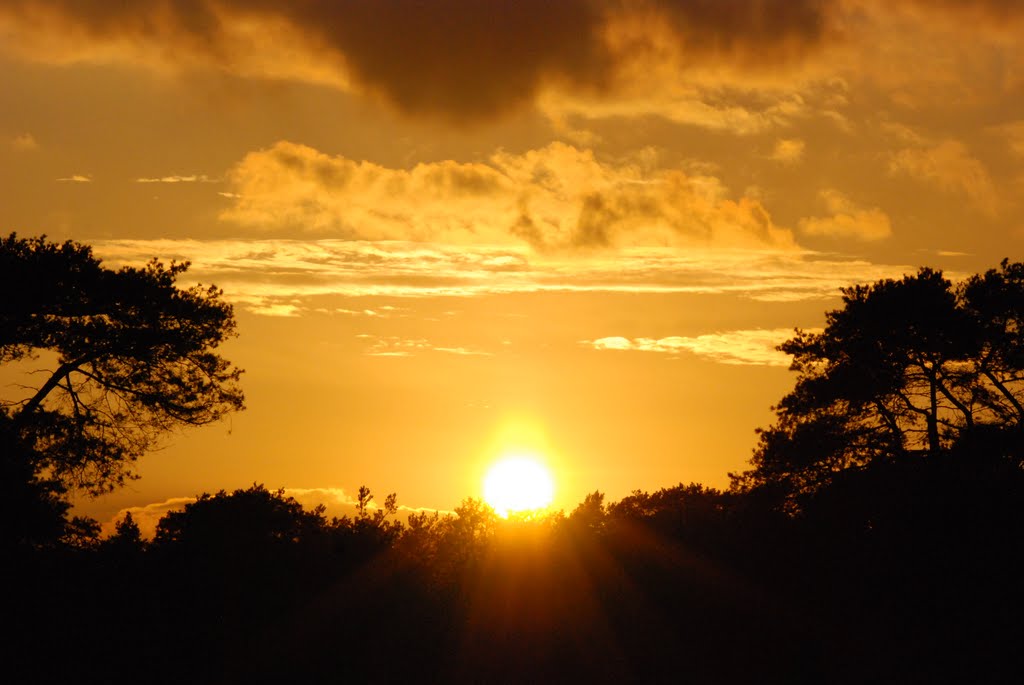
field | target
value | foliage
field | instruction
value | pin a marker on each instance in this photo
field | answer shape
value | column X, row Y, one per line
column 241, row 521
column 916, row 367
column 248, row 586
column 133, row 353
column 33, row 511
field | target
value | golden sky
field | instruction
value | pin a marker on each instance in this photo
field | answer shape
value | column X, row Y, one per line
column 454, row 227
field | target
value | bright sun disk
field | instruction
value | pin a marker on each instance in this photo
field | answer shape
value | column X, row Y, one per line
column 518, row 484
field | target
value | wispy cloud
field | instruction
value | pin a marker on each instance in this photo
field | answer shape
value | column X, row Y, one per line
column 192, row 178
column 395, row 346
column 76, row 178
column 289, row 277
column 381, row 312
column 747, row 347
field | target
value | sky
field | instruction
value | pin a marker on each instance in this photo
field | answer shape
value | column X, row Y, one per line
column 461, row 228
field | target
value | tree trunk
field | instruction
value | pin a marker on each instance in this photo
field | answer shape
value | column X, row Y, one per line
column 933, row 413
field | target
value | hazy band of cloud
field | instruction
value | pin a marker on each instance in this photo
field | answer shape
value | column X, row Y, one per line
column 292, row 277
column 746, row 347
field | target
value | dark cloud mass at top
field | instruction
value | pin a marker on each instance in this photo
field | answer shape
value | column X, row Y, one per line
column 461, row 59
column 472, row 59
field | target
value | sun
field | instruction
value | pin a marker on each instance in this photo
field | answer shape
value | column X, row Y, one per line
column 518, row 483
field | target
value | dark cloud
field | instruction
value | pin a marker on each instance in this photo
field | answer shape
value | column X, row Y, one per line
column 461, row 59
column 753, row 32
column 995, row 9
column 472, row 59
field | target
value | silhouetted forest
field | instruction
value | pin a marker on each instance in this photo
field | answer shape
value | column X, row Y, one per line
column 876, row 537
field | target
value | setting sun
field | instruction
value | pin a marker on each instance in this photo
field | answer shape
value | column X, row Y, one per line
column 518, row 484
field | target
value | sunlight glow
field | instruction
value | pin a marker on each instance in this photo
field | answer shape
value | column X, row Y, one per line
column 518, row 483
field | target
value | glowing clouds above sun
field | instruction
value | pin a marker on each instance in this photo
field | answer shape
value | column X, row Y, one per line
column 517, row 484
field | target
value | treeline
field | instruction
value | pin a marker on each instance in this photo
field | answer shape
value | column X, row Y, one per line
column 912, row 577
column 878, row 535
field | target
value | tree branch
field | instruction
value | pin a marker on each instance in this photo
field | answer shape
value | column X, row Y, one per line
column 60, row 374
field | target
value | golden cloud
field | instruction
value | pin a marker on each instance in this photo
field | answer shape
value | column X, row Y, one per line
column 556, row 197
column 847, row 219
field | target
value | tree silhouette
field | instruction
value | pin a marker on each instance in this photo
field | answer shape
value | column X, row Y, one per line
column 133, row 354
column 238, row 523
column 33, row 510
column 909, row 367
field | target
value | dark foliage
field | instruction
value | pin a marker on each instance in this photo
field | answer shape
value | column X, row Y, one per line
column 909, row 369
column 132, row 353
column 902, row 572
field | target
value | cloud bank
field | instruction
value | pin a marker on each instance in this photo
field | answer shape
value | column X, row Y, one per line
column 466, row 60
column 462, row 59
column 555, row 197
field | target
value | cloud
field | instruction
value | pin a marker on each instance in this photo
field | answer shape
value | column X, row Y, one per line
column 282, row 309
column 949, row 165
column 555, row 197
column 192, row 178
column 148, row 516
column 742, row 347
column 261, row 275
column 337, row 501
column 788, row 150
column 742, row 65
column 381, row 312
column 76, row 178
column 847, row 220
column 24, row 142
column 394, row 346
column 460, row 59
column 1013, row 134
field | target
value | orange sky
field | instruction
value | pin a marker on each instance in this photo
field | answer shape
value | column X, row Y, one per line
column 456, row 226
